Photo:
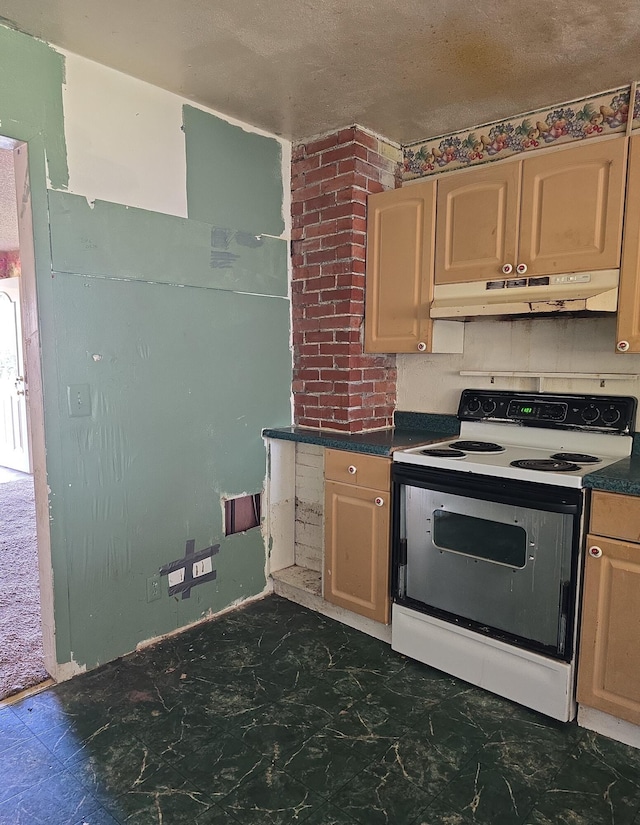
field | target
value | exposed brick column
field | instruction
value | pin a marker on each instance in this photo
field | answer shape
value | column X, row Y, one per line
column 335, row 384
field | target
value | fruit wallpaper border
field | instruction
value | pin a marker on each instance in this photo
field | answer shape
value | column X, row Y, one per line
column 602, row 114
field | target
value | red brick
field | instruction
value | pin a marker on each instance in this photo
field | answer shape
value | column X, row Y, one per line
column 297, row 208
column 341, row 153
column 308, row 245
column 319, row 386
column 306, row 193
column 365, row 138
column 297, row 152
column 320, row 310
column 340, row 183
column 319, row 337
column 319, row 362
column 342, row 211
column 309, row 218
column 303, row 273
column 324, row 256
column 321, row 144
column 320, row 202
column 346, row 135
column 347, row 335
column 337, row 240
column 322, row 173
column 320, row 229
column 305, row 164
column 321, row 283
column 374, row 187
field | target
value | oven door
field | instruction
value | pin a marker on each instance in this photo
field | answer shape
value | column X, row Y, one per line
column 497, row 556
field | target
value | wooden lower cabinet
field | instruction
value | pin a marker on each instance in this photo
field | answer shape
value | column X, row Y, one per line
column 356, row 546
column 609, row 665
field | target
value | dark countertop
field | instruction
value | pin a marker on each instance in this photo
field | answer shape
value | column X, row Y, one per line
column 411, row 430
column 621, row 477
column 414, row 429
column 378, row 442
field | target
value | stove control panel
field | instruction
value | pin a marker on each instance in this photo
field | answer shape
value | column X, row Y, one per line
column 596, row 413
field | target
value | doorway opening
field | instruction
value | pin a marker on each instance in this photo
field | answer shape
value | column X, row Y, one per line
column 22, row 659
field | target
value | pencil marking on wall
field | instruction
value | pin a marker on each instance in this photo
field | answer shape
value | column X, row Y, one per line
column 222, row 238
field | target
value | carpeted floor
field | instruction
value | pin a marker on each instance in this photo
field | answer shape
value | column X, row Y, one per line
column 21, row 655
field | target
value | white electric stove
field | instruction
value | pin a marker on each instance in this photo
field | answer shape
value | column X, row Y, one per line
column 488, row 529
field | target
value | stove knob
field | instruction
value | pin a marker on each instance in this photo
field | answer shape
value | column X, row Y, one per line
column 488, row 406
column 611, row 415
column 590, row 414
column 473, row 405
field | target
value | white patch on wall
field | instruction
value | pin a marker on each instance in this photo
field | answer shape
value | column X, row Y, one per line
column 309, row 536
column 124, row 139
column 432, row 383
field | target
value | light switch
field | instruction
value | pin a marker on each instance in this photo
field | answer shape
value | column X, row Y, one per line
column 79, row 399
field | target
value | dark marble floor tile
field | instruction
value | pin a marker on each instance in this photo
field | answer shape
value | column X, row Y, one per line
column 24, row 766
column 113, row 767
column 12, row 729
column 621, row 760
column 184, row 731
column 277, row 729
column 269, row 796
column 58, row 800
column 329, row 815
column 164, row 797
column 587, row 791
column 382, row 795
column 216, row 816
column 439, row 812
column 487, row 796
column 334, row 755
column 220, row 766
column 97, row 817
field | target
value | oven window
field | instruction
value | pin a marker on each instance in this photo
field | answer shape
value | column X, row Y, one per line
column 483, row 539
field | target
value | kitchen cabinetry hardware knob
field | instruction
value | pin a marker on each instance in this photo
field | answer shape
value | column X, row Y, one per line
column 379, row 501
column 595, row 552
column 353, row 469
column 422, row 347
column 521, row 269
column 507, row 269
column 622, row 346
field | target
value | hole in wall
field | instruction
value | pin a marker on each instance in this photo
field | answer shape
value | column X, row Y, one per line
column 242, row 513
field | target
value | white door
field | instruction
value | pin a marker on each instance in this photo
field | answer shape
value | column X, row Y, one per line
column 14, row 438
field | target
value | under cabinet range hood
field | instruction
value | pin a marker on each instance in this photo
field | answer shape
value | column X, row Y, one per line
column 548, row 294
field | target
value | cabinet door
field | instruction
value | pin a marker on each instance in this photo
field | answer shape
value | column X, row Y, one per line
column 399, row 269
column 476, row 223
column 356, row 555
column 572, row 207
column 628, row 335
column 609, row 670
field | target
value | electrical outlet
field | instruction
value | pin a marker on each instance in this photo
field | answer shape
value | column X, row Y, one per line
column 201, row 568
column 79, row 399
column 153, row 588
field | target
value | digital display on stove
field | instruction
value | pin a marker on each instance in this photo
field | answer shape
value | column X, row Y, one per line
column 540, row 411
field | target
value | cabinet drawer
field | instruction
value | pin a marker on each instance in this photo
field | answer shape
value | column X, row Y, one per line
column 615, row 515
column 357, row 468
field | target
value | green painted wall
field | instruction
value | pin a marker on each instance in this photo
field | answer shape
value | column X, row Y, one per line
column 180, row 329
column 233, row 177
column 31, row 77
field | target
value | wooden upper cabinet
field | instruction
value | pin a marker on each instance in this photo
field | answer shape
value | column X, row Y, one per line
column 571, row 208
column 477, row 223
column 556, row 212
column 400, row 226
column 628, row 335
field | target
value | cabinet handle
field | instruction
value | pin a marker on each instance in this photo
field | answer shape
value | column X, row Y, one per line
column 521, row 269
column 595, row 552
column 507, row 269
column 379, row 501
column 352, row 469
column 622, row 346
column 422, row 347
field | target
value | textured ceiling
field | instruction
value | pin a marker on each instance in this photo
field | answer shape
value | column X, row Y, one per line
column 407, row 69
column 8, row 208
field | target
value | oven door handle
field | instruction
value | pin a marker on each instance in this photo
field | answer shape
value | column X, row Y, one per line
column 487, row 488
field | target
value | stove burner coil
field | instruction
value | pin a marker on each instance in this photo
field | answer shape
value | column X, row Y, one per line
column 578, row 458
column 548, row 465
column 478, row 446
column 443, row 452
